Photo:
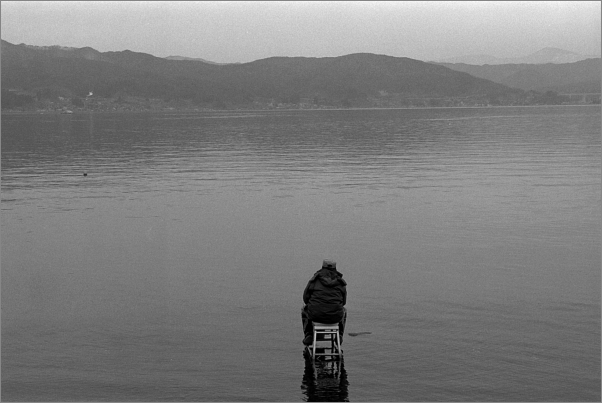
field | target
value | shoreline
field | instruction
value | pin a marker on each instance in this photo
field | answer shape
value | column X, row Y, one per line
column 187, row 110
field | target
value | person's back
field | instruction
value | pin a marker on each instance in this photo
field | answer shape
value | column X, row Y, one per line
column 325, row 297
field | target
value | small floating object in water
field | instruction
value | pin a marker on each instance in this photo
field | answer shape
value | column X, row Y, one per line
column 358, row 333
column 85, row 174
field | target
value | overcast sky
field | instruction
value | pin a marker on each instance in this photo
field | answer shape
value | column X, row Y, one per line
column 245, row 31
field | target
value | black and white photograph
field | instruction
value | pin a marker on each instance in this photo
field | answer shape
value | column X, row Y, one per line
column 352, row 201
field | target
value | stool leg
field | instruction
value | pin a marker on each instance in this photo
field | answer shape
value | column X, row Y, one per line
column 334, row 342
column 313, row 355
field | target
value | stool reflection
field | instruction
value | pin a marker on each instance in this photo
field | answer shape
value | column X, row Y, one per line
column 325, row 381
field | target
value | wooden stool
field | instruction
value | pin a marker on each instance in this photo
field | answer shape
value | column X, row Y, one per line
column 329, row 333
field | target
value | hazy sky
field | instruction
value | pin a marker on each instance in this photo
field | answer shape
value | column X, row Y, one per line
column 246, row 31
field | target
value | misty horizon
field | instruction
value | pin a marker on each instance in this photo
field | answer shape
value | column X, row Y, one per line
column 449, row 59
column 233, row 32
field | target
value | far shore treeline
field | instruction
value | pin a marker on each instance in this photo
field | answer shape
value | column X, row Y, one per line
column 56, row 79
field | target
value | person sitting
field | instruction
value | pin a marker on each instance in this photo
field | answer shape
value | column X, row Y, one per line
column 325, row 297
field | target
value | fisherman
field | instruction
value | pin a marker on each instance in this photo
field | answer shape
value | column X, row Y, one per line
column 325, row 296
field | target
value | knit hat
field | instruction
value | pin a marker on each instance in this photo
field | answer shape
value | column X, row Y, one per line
column 329, row 264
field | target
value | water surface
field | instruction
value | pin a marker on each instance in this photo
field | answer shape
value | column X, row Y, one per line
column 174, row 270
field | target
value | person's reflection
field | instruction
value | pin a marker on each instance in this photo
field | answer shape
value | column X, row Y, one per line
column 325, row 381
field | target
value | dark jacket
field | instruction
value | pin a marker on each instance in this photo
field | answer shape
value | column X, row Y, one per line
column 325, row 296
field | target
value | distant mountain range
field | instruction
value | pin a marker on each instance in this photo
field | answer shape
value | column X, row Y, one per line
column 198, row 59
column 360, row 80
column 580, row 77
column 543, row 56
column 346, row 80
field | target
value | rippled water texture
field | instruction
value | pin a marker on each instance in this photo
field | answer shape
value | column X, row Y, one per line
column 174, row 269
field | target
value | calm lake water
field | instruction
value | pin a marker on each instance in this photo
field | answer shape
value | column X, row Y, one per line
column 174, row 270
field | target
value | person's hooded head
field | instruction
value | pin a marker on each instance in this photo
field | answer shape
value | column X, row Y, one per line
column 329, row 264
column 329, row 275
